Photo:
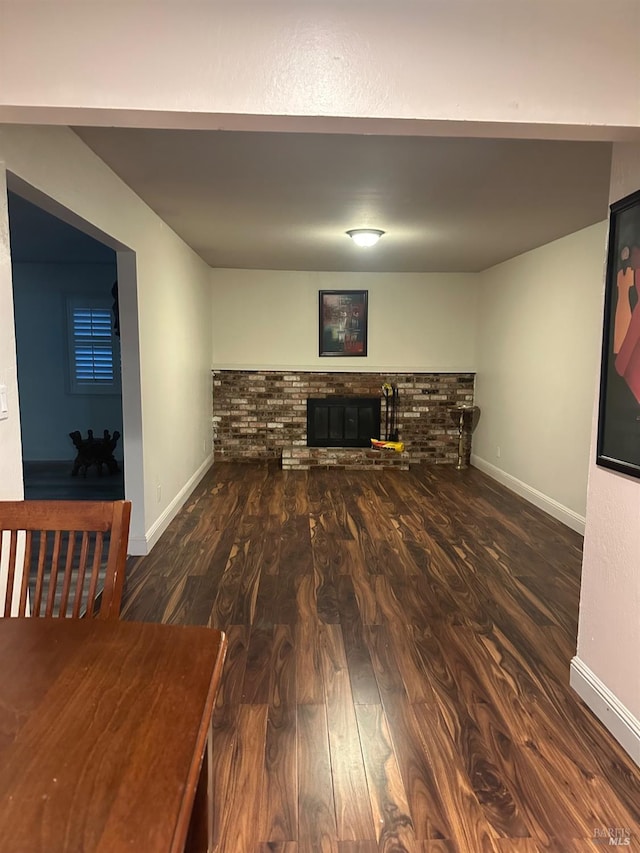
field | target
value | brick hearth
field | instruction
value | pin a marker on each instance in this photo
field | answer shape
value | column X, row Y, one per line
column 258, row 414
column 303, row 458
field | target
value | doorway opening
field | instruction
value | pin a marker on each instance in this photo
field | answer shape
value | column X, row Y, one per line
column 47, row 278
column 68, row 353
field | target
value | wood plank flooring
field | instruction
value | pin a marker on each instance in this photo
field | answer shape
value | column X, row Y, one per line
column 397, row 673
column 49, row 481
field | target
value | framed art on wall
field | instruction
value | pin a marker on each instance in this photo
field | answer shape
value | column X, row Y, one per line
column 618, row 444
column 343, row 322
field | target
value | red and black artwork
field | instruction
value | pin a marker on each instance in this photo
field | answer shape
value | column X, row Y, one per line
column 343, row 322
column 619, row 413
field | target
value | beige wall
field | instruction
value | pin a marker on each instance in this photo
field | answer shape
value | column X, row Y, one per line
column 418, row 322
column 609, row 630
column 166, row 355
column 10, row 455
column 538, row 354
column 188, row 61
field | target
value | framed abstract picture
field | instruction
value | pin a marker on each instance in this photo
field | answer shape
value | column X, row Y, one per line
column 618, row 444
column 343, row 322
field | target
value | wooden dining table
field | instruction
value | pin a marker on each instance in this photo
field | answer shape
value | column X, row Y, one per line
column 104, row 728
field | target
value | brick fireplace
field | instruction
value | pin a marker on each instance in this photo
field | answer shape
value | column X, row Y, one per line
column 262, row 414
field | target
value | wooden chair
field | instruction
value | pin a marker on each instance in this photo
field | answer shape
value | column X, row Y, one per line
column 69, row 547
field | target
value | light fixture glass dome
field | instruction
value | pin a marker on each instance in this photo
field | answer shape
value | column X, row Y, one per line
column 365, row 237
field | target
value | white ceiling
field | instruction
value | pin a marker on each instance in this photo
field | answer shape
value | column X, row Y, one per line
column 285, row 200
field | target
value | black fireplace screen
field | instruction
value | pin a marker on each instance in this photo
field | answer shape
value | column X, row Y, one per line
column 343, row 422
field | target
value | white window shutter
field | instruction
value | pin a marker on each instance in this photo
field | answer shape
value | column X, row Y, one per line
column 92, row 350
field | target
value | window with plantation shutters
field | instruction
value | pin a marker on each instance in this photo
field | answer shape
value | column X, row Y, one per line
column 92, row 348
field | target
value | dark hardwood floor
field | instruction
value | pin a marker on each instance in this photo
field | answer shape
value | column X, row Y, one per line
column 49, row 481
column 397, row 674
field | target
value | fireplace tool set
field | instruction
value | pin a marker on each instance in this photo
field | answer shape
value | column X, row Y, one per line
column 391, row 436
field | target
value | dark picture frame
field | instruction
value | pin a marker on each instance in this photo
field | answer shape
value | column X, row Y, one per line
column 343, row 322
column 618, row 444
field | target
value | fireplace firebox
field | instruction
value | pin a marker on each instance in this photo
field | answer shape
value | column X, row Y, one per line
column 342, row 421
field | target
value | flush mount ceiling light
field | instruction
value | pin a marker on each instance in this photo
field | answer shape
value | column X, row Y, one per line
column 365, row 237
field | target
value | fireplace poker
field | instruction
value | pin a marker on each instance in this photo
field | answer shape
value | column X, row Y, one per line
column 386, row 390
column 393, row 436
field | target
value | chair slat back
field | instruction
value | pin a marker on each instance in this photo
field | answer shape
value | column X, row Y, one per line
column 66, row 549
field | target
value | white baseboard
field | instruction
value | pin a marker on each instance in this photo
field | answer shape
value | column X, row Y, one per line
column 544, row 502
column 140, row 546
column 607, row 707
